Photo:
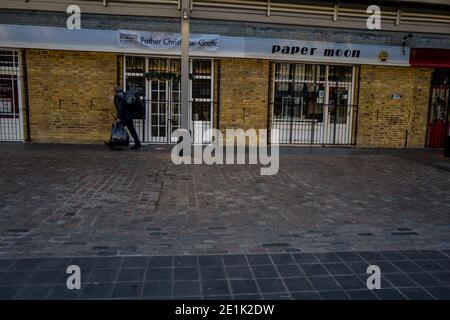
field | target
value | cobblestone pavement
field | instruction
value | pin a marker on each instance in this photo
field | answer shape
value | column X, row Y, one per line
column 407, row 274
column 69, row 200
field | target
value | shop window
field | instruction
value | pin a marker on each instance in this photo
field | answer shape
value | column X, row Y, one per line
column 175, row 67
column 439, row 108
column 312, row 104
column 136, row 84
column 176, row 91
column 340, row 73
column 439, row 100
column 282, row 72
column 441, row 77
column 159, row 79
column 201, row 68
column 135, row 75
column 201, row 88
column 299, row 92
column 135, row 65
column 201, row 79
column 9, row 59
column 308, row 73
column 201, row 94
column 302, row 91
column 338, row 104
column 10, row 81
column 9, row 99
column 157, row 65
column 440, row 92
column 201, row 111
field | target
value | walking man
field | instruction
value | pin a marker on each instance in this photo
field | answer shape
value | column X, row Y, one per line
column 125, row 116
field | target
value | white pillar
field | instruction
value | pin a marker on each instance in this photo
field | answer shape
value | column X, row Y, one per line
column 185, row 11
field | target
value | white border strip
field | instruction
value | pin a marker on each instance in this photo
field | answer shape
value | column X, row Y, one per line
column 54, row 38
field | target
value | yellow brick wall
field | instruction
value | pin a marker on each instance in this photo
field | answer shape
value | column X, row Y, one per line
column 244, row 93
column 70, row 95
column 385, row 122
column 420, row 108
column 71, row 98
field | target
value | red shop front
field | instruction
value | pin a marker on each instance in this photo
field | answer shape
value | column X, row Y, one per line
column 438, row 112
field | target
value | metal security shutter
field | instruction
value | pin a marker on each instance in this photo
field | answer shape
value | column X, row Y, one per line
column 11, row 124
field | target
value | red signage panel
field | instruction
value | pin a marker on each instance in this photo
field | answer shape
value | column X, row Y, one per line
column 430, row 58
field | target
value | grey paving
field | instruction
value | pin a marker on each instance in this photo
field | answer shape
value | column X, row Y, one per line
column 246, row 281
column 72, row 200
column 140, row 227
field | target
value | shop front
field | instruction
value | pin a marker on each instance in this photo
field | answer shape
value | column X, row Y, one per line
column 157, row 79
column 438, row 127
column 308, row 90
column 438, row 118
column 314, row 103
column 11, row 122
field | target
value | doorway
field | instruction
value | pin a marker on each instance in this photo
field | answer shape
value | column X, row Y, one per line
column 11, row 123
column 158, row 80
column 313, row 104
column 438, row 113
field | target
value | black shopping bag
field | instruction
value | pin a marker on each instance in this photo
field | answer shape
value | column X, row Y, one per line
column 119, row 136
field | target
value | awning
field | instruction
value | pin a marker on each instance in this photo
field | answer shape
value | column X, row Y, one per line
column 430, row 58
column 146, row 42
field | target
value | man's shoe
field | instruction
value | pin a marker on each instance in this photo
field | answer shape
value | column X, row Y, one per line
column 136, row 146
column 109, row 144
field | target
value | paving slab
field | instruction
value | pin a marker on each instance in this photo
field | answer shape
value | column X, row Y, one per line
column 85, row 200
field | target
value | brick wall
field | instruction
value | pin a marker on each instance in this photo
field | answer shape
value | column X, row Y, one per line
column 385, row 122
column 70, row 95
column 244, row 93
column 419, row 116
column 71, row 98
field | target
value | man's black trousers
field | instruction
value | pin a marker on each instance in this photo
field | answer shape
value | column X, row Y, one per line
column 130, row 126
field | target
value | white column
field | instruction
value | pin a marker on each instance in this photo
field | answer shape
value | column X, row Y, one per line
column 185, row 11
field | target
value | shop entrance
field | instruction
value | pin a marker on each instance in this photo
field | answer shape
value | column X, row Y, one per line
column 158, row 80
column 11, row 124
column 163, row 99
column 438, row 124
column 312, row 104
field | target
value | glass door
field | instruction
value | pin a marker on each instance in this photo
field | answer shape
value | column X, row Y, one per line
column 175, row 108
column 438, row 113
column 201, row 100
column 339, row 104
column 299, row 102
column 161, row 78
column 159, row 112
column 312, row 103
column 165, row 99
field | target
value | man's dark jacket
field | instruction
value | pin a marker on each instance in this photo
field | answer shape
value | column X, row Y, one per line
column 123, row 112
